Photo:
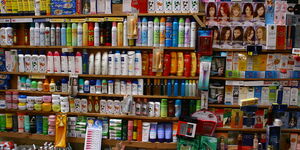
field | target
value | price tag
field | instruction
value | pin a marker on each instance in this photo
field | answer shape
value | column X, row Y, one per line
column 37, row 77
column 4, row 20
column 296, row 51
column 77, row 20
column 41, row 20
column 113, row 19
column 57, row 20
column 21, row 20
column 94, row 19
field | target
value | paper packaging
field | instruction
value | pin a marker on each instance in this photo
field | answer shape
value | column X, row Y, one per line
column 168, row 6
column 151, row 6
column 271, row 36
column 194, row 6
column 294, row 96
column 176, row 6
column 159, row 6
column 101, row 6
column 281, row 38
column 293, row 140
column 286, row 95
column 185, row 6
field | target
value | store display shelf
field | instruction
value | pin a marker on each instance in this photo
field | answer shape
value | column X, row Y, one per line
column 103, row 15
column 100, row 47
column 254, row 130
column 101, row 76
column 251, row 79
column 238, row 106
column 244, row 50
column 34, row 92
column 33, row 112
column 110, row 142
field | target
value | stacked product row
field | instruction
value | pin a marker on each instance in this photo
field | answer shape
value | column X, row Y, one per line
column 157, row 32
column 131, row 130
column 26, row 123
column 105, row 63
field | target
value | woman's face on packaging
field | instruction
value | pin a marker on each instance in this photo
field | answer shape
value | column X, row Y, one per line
column 248, row 11
column 236, row 12
column 259, row 33
column 227, row 34
column 260, row 11
column 216, row 34
column 223, row 12
column 236, row 33
column 212, row 12
column 250, row 35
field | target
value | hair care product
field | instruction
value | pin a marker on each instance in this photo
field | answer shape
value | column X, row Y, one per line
column 56, row 60
column 57, row 35
column 153, row 132
column 74, row 34
column 162, row 32
column 125, row 38
column 96, row 34
column 114, row 34
column 64, row 85
column 53, row 35
column 124, row 63
column 175, row 32
column 161, row 132
column 104, row 87
column 81, row 86
column 169, row 28
column 180, row 63
column 92, row 86
column 193, row 34
column 145, row 132
column 85, row 62
column 139, row 35
column 120, row 34
column 150, row 32
column 79, row 34
column 84, row 34
column 131, row 62
column 42, row 34
column 181, row 33
column 98, row 87
column 31, row 33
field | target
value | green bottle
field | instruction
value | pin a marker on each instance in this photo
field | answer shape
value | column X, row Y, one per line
column 69, row 35
column 164, row 108
column 198, row 105
column 26, row 123
column 33, row 85
column 81, row 83
column 156, row 32
column 181, row 33
column 2, row 122
column 45, row 125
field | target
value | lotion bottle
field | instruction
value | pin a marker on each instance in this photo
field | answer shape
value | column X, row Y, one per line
column 64, row 62
column 104, row 65
column 71, row 63
column 138, row 63
column 42, row 62
column 92, row 64
column 31, row 32
column 21, row 61
column 124, row 63
column 57, row 64
column 117, row 63
column 50, row 64
column 111, row 63
column 78, row 63
column 52, row 86
column 27, row 61
column 98, row 63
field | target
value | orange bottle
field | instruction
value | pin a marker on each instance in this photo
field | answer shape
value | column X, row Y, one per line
column 46, row 87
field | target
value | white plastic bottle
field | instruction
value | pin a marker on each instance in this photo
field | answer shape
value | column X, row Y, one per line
column 114, row 34
column 104, row 65
column 92, row 63
column 138, row 63
column 47, row 36
column 78, row 63
column 31, row 34
column 27, row 61
column 79, row 34
column 42, row 65
column 52, row 35
column 117, row 63
column 71, row 63
column 37, row 34
column 34, row 62
column 140, row 87
column 111, row 63
column 57, row 64
column 193, row 34
column 9, row 35
column 131, row 63
column 21, row 61
column 74, row 34
column 150, row 33
column 125, row 38
column 98, row 63
column 117, row 86
column 57, row 35
column 50, row 68
column 96, row 34
column 187, row 33
column 42, row 34
column 64, row 63
column 124, row 63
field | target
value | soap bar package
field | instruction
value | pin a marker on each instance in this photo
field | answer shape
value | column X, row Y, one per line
column 61, row 7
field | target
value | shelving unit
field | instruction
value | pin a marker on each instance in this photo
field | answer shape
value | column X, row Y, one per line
column 251, row 79
column 244, row 50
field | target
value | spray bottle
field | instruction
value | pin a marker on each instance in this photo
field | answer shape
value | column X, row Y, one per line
column 79, row 34
column 96, row 34
column 162, row 32
column 181, row 33
column 144, row 32
column 85, row 34
column 187, row 33
column 74, row 34
column 69, row 34
column 114, row 34
column 150, row 32
column 169, row 28
column 156, row 32
column 52, row 35
column 90, row 34
column 175, row 32
column 57, row 35
column 63, row 34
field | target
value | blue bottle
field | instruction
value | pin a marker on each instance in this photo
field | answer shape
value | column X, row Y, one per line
column 63, row 33
column 175, row 88
column 169, row 86
column 39, row 124
column 175, row 32
column 85, row 62
column 86, row 86
column 169, row 28
column 144, row 32
column 178, row 108
column 182, row 90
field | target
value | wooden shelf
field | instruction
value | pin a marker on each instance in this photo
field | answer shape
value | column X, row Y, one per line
column 128, row 117
column 104, row 15
column 34, row 92
column 100, row 47
column 244, row 50
column 238, row 106
column 110, row 142
column 101, row 76
column 251, row 79
column 240, row 129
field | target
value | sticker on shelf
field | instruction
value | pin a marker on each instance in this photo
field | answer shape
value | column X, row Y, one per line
column 41, row 20
column 37, row 77
column 94, row 19
column 58, row 20
column 113, row 18
column 77, row 20
column 20, row 20
column 4, row 20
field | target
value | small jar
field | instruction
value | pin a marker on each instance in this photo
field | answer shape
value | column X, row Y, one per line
column 22, row 106
column 22, row 99
column 15, row 96
column 38, row 100
column 30, row 106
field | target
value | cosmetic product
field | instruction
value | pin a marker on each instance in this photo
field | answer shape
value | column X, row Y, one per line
column 162, row 32
column 51, row 86
column 84, row 34
column 163, row 108
column 37, row 34
column 187, row 33
column 98, row 63
column 34, row 62
column 120, row 34
column 63, row 34
column 145, row 131
column 175, row 32
column 193, row 34
column 91, row 64
column 56, row 61
column 180, row 64
column 69, row 34
column 139, row 33
column 117, row 59
column 57, row 35
column 131, row 62
column 71, row 63
column 92, row 86
column 64, row 85
column 74, row 34
column 85, row 62
column 169, row 32
column 117, row 87
column 42, row 35
column 161, row 132
column 138, row 63
column 50, row 62
column 96, row 34
column 31, row 33
column 27, row 60
column 168, row 132
column 104, row 64
column 181, row 32
column 21, row 61
column 125, row 38
column 86, row 86
column 114, row 34
column 123, row 88
column 79, row 35
column 111, row 63
column 144, row 32
column 47, row 36
column 187, row 64
column 104, row 87
column 64, row 63
column 42, row 61
column 124, row 63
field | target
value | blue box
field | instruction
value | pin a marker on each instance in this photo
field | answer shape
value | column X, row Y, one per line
column 63, row 7
column 271, row 74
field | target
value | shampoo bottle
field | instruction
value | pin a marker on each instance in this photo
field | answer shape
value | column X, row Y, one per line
column 117, row 63
column 98, row 63
column 78, row 63
column 50, row 64
column 180, row 64
column 167, row 64
column 187, row 64
column 111, row 63
column 124, row 63
column 57, row 64
column 42, row 62
column 173, row 63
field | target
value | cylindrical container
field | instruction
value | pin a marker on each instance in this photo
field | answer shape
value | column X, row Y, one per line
column 2, row 122
column 15, row 97
column 177, row 108
column 26, row 123
column 45, row 125
column 8, row 97
column 38, row 107
column 164, row 108
column 39, row 124
column 21, row 123
column 157, row 109
column 22, row 106
column 151, row 109
column 30, row 106
column 22, row 99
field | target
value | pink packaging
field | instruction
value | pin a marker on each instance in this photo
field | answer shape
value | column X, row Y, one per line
column 15, row 96
column 14, row 105
column 47, row 99
column 9, row 105
column 8, row 97
column 51, row 122
column 52, row 117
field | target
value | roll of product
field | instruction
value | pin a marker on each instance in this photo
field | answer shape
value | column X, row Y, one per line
column 22, row 99
column 22, row 106
column 64, row 99
column 9, row 105
column 84, row 105
column 38, row 100
column 2, row 104
column 30, row 106
column 14, row 105
column 47, row 99
column 38, row 107
column 30, row 99
column 45, row 125
column 8, row 96
column 46, row 107
column 15, row 97
column 56, row 107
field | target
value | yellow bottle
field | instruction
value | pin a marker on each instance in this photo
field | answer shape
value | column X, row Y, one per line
column 52, row 86
column 9, row 122
column 194, row 64
column 180, row 64
column 173, row 63
column 120, row 34
column 85, row 34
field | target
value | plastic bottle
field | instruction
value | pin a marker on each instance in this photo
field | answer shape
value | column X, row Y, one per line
column 64, row 62
column 40, row 86
column 173, row 63
column 69, row 34
column 98, row 87
column 85, row 34
column 193, row 64
column 64, row 85
column 57, row 64
column 58, row 86
column 74, row 34
column 187, row 64
column 78, row 63
column 96, row 34
column 79, row 34
column 178, row 108
column 27, row 60
column 90, row 34
column 117, row 63
column 2, row 32
column 52, row 86
column 124, row 63
column 180, row 67
column 169, row 32
column 28, row 84
column 37, row 34
column 144, row 32
column 50, row 63
column 120, row 34
column 104, row 65
column 21, row 62
column 139, row 31
column 175, row 32
column 9, row 35
column 125, row 38
column 167, row 64
column 81, row 85
column 47, row 36
column 156, row 32
column 63, row 34
column 31, row 32
column 71, row 63
column 92, row 86
column 58, row 35
column 104, row 87
column 98, row 64
column 164, row 108
column 86, row 86
column 114, row 34
column 85, row 62
column 187, row 33
column 52, row 35
column 138, row 63
column 111, row 63
column 150, row 32
column 169, row 88
column 187, row 88
column 34, row 62
column 176, row 88
column 42, row 34
column 110, row 87
column 131, row 63
column 33, row 86
column 193, row 34
column 181, row 33
column 92, row 64
column 162, row 31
